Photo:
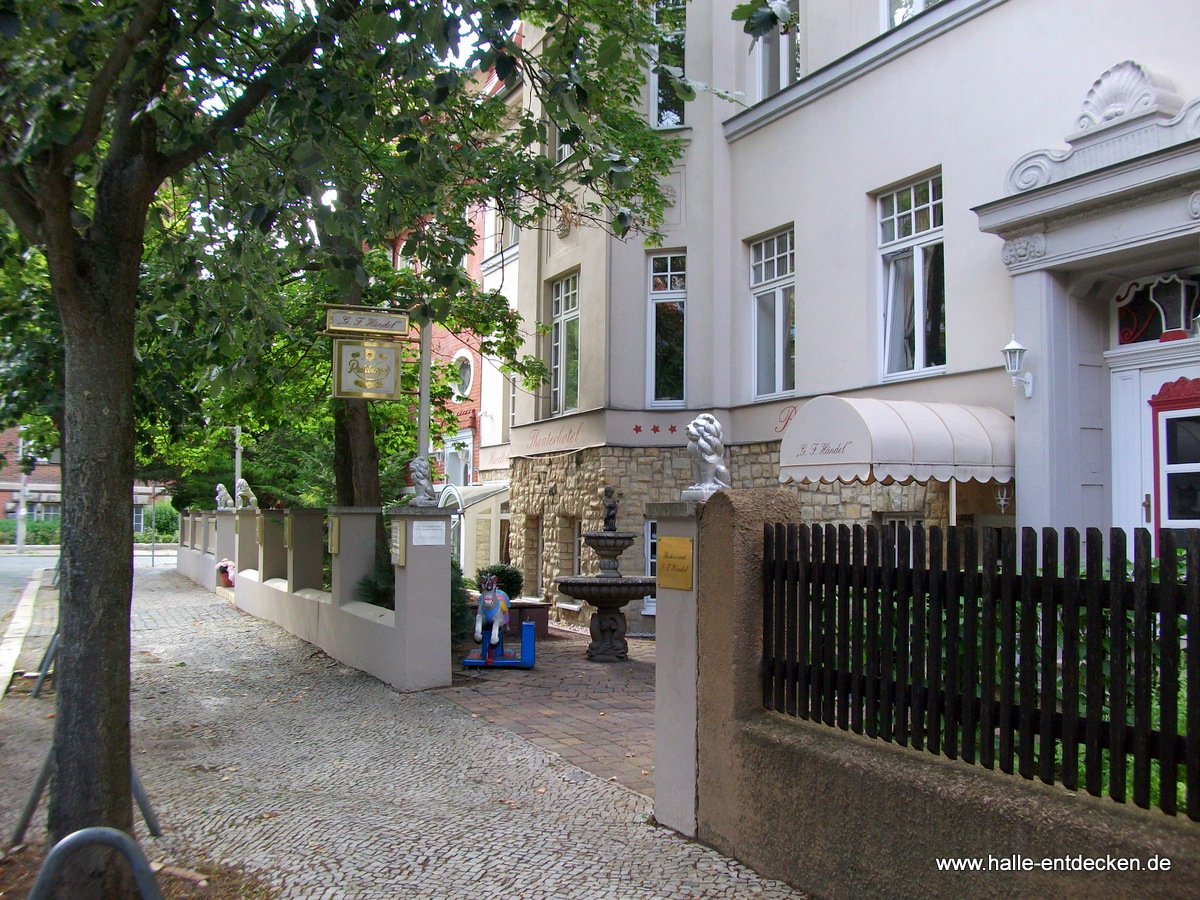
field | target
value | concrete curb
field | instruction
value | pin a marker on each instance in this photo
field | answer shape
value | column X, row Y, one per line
column 14, row 637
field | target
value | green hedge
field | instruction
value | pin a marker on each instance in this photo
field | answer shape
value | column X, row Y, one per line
column 36, row 532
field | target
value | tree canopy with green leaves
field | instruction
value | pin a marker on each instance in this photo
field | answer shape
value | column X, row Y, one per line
column 295, row 133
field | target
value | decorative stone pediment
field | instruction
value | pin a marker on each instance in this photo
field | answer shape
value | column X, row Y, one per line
column 1128, row 112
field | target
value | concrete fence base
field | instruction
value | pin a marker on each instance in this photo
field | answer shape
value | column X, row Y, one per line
column 844, row 816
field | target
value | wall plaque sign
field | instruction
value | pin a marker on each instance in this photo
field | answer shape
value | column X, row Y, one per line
column 429, row 534
column 366, row 370
column 365, row 321
column 675, row 563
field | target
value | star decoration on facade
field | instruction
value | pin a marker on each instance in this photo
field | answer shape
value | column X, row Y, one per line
column 673, row 429
column 654, row 428
column 637, row 429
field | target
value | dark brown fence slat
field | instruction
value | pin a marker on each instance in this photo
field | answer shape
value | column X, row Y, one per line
column 768, row 625
column 791, row 617
column 1027, row 686
column 1008, row 645
column 871, row 726
column 816, row 657
column 779, row 615
column 804, row 623
column 843, row 629
column 1070, row 660
column 857, row 617
column 988, row 648
column 829, row 625
column 1093, row 762
column 1192, row 752
column 904, row 594
column 933, row 661
column 1116, row 679
column 970, row 643
column 1168, row 675
column 887, row 634
column 1142, row 554
column 914, row 667
column 953, row 703
column 1049, row 656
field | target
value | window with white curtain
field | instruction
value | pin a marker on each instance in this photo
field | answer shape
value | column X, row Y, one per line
column 913, row 256
column 772, row 284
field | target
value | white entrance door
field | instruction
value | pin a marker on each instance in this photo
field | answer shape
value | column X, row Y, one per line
column 1156, row 435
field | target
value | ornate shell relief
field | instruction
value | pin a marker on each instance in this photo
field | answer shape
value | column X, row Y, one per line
column 1127, row 89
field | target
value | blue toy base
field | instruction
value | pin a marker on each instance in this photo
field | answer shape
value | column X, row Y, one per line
column 496, row 657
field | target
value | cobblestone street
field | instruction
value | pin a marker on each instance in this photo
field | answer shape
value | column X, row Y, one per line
column 258, row 750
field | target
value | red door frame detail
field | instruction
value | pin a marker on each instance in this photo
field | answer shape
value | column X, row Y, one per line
column 1183, row 393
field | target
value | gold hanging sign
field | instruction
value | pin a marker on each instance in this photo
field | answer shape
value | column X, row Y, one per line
column 366, row 370
column 363, row 320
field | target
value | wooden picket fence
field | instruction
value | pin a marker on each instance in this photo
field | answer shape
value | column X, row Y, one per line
column 954, row 643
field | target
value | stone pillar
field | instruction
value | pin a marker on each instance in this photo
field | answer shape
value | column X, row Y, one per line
column 245, row 546
column 304, row 538
column 226, row 534
column 421, row 552
column 676, row 670
column 353, row 549
column 272, row 554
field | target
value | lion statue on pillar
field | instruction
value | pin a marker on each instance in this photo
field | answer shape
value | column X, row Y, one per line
column 708, row 457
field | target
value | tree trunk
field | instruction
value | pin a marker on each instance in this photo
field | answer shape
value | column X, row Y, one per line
column 355, row 455
column 90, row 777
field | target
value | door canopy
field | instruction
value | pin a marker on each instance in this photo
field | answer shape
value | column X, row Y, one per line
column 841, row 439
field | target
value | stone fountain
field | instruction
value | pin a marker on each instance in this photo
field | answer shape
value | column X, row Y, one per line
column 610, row 590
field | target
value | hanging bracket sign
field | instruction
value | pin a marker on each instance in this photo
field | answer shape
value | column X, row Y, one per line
column 362, row 320
column 366, row 370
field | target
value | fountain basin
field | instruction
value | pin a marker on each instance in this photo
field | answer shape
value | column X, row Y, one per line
column 601, row 591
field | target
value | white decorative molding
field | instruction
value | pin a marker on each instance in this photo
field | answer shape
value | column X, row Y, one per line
column 1128, row 112
column 1127, row 89
column 1194, row 205
column 1023, row 249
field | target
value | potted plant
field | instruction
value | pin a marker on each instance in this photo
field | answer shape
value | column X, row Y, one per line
column 225, row 573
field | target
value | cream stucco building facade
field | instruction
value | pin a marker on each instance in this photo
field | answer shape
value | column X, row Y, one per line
column 908, row 186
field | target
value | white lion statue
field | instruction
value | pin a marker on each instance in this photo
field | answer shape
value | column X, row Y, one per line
column 422, row 477
column 708, row 456
column 245, row 498
column 224, row 501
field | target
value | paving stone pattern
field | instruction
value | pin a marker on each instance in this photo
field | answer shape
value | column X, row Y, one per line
column 259, row 750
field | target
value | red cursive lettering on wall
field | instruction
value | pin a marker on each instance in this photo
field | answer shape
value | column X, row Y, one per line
column 785, row 416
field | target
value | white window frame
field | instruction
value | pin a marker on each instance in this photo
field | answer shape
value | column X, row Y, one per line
column 564, row 310
column 773, row 285
column 909, row 229
column 888, row 16
column 653, row 80
column 649, row 602
column 462, row 359
column 1166, row 468
column 785, row 48
column 674, row 290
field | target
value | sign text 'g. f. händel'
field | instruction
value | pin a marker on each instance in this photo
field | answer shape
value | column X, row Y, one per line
column 822, row 448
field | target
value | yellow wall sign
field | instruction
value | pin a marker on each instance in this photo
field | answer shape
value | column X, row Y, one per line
column 675, row 563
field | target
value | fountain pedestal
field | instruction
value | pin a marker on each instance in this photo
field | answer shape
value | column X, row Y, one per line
column 608, row 592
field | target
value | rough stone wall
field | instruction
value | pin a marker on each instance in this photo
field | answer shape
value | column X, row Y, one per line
column 549, row 493
column 557, row 490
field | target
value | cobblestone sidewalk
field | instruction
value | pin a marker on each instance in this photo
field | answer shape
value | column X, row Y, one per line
column 258, row 750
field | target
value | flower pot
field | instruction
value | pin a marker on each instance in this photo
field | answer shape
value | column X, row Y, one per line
column 223, row 579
